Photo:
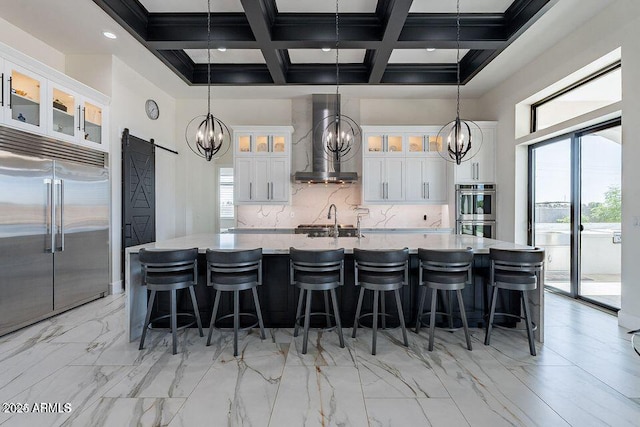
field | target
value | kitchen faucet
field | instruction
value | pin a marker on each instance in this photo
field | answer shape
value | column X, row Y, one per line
column 335, row 218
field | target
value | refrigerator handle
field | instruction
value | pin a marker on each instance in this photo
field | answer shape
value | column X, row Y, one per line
column 61, row 229
column 50, row 238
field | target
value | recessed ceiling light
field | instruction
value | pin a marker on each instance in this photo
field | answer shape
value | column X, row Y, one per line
column 326, row 49
column 431, row 49
column 222, row 49
column 109, row 35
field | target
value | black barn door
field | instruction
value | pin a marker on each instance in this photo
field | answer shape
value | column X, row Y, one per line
column 138, row 192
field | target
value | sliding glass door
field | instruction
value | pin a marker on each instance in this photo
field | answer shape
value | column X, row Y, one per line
column 575, row 200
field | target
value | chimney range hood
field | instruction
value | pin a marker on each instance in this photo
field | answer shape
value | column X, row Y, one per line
column 324, row 170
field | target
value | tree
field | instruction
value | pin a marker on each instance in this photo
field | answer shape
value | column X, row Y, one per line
column 608, row 211
column 611, row 209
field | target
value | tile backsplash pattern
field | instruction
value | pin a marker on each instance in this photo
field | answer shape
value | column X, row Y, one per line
column 310, row 202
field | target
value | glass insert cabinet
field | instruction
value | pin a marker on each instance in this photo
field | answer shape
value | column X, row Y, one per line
column 32, row 102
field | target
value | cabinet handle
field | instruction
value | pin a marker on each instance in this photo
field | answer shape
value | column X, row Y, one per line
column 10, row 90
column 477, row 170
column 382, row 184
column 250, row 188
column 428, row 191
column 423, row 193
column 424, row 143
column 386, row 193
column 2, row 91
column 386, row 143
column 268, row 190
column 61, row 229
column 84, row 119
column 79, row 118
column 271, row 185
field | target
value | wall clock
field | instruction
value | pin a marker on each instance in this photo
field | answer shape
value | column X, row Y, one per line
column 152, row 110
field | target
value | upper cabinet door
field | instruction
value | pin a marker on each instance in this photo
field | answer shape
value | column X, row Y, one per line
column 279, row 179
column 394, row 172
column 64, row 121
column 383, row 144
column 92, row 122
column 23, row 99
column 373, row 181
column 421, row 144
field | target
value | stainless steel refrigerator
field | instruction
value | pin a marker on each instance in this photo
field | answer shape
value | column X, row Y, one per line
column 54, row 237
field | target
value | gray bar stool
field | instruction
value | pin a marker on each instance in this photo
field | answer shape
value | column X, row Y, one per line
column 380, row 271
column 514, row 270
column 317, row 271
column 448, row 271
column 235, row 271
column 170, row 270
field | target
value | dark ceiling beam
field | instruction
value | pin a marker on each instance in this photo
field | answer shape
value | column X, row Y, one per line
column 321, row 28
column 523, row 13
column 325, row 74
column 179, row 62
column 131, row 15
column 473, row 62
column 434, row 28
column 396, row 15
column 259, row 14
column 233, row 74
column 189, row 31
column 423, row 74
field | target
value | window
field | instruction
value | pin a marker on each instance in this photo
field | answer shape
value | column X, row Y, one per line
column 227, row 210
column 595, row 91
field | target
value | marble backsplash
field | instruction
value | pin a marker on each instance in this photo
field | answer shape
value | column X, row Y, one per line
column 310, row 204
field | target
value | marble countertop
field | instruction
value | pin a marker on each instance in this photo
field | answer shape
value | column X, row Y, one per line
column 284, row 230
column 280, row 243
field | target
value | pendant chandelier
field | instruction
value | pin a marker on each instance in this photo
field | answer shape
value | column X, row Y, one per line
column 458, row 133
column 341, row 137
column 211, row 138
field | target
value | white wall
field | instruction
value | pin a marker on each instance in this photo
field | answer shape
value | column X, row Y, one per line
column 418, row 111
column 616, row 26
column 29, row 45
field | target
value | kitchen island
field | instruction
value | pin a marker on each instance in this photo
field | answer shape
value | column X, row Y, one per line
column 278, row 298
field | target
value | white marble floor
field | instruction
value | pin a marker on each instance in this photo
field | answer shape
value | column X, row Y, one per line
column 585, row 374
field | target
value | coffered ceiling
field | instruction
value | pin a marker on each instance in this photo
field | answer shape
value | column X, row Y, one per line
column 279, row 42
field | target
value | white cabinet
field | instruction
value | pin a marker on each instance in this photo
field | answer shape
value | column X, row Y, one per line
column 383, row 179
column 412, row 172
column 262, row 163
column 23, row 98
column 383, row 142
column 74, row 118
column 41, row 100
column 426, row 180
column 481, row 167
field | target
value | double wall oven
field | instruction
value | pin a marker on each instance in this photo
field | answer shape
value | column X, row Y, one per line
column 476, row 210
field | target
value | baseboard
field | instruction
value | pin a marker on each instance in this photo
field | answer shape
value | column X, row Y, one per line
column 628, row 321
column 116, row 288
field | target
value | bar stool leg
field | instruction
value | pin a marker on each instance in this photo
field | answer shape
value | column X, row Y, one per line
column 147, row 319
column 174, row 321
column 258, row 312
column 336, row 312
column 236, row 320
column 423, row 296
column 463, row 315
column 214, row 313
column 449, row 308
column 401, row 315
column 298, row 313
column 375, row 321
column 195, row 309
column 358, row 308
column 384, row 312
column 307, row 319
column 326, row 308
column 432, row 320
column 494, row 298
column 527, row 312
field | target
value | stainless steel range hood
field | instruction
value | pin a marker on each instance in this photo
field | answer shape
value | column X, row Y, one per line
column 324, row 170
